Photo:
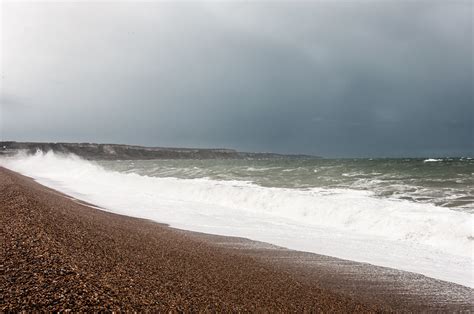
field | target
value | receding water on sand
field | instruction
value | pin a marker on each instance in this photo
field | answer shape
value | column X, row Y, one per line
column 414, row 215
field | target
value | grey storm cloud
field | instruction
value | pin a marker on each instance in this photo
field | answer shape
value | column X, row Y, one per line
column 359, row 78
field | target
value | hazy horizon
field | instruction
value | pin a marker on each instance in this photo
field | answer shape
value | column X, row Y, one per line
column 468, row 155
column 333, row 79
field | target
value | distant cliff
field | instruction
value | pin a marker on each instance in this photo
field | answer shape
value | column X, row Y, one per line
column 131, row 152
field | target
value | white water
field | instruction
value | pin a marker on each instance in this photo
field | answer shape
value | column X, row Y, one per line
column 344, row 223
column 432, row 160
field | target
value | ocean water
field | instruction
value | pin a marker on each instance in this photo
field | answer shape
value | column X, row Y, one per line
column 445, row 182
column 410, row 214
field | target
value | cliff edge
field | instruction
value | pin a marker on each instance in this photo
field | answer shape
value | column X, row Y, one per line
column 132, row 152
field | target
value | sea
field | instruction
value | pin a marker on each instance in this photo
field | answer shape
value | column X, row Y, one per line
column 413, row 214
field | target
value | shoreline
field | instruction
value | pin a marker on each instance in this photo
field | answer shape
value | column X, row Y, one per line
column 61, row 253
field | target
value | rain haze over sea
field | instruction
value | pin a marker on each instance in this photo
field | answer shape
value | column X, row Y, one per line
column 330, row 78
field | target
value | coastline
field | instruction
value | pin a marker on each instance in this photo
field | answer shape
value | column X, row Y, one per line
column 62, row 254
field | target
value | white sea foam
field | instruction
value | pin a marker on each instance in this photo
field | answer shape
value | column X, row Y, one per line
column 432, row 160
column 344, row 223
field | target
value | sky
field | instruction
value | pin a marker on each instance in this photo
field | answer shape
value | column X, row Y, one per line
column 354, row 78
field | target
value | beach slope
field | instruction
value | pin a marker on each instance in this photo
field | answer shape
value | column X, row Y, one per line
column 60, row 254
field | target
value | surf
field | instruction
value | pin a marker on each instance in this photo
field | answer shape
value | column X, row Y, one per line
column 345, row 223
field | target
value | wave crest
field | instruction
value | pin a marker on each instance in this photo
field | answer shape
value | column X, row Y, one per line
column 245, row 209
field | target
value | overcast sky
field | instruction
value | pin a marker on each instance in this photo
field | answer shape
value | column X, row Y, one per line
column 332, row 78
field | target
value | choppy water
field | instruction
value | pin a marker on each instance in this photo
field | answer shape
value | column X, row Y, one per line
column 447, row 182
column 409, row 214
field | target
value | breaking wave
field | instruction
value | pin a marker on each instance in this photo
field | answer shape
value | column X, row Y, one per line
column 295, row 218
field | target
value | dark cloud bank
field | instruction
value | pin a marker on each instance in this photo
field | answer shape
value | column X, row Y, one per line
column 381, row 78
